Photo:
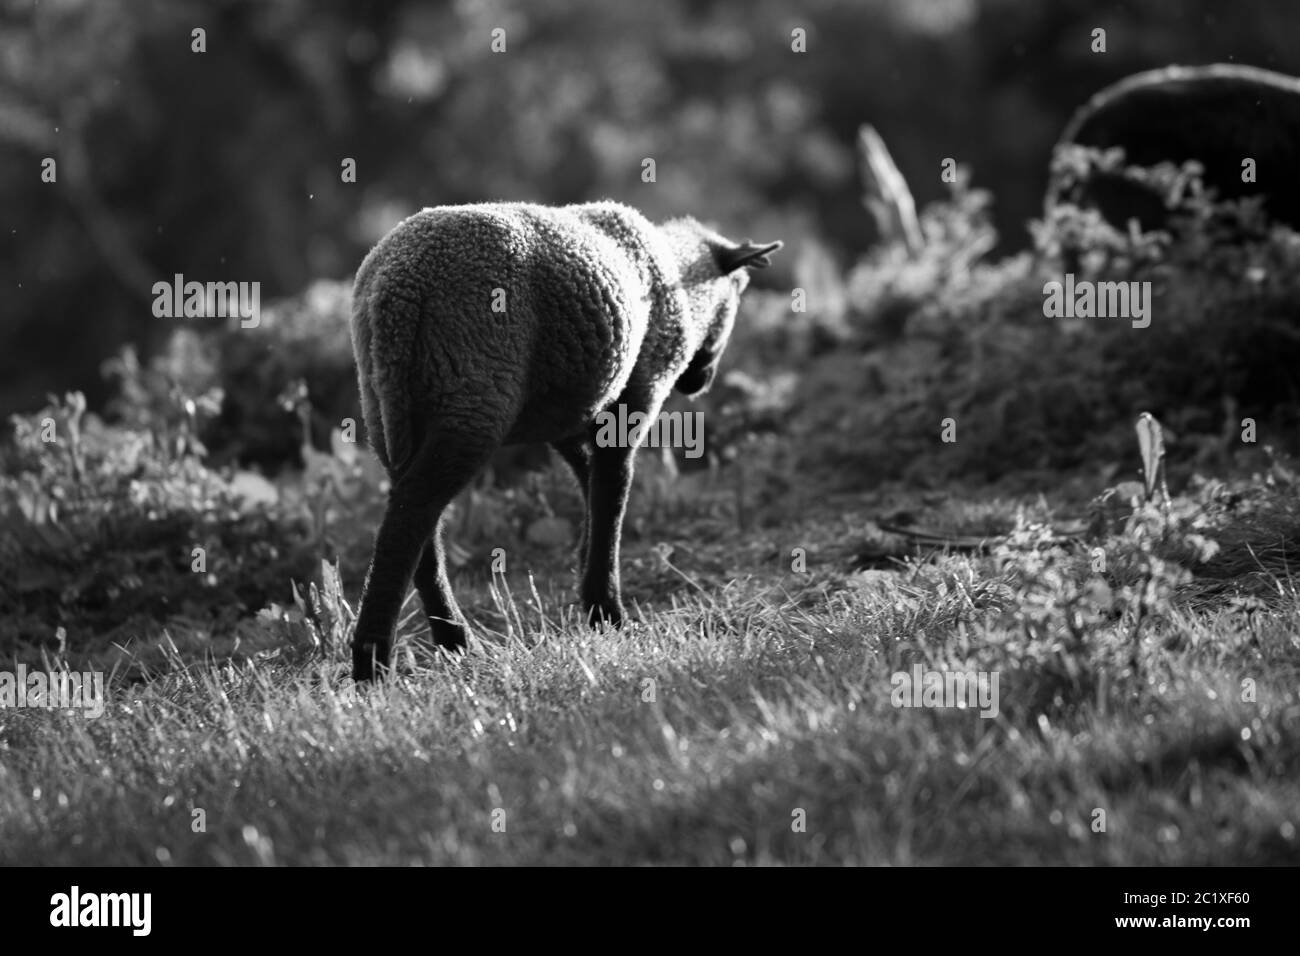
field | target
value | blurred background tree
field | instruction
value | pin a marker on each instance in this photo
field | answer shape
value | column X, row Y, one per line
column 225, row 165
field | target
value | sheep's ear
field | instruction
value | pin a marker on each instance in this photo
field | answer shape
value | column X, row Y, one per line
column 735, row 256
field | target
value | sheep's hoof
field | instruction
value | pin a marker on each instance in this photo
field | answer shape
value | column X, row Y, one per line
column 611, row 614
column 448, row 634
column 369, row 660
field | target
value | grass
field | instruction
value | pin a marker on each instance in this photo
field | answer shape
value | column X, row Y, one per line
column 1148, row 697
column 740, row 720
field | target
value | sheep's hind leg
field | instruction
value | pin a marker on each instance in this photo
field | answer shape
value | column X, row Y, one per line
column 408, row 547
column 461, row 458
column 431, row 580
column 577, row 453
column 408, row 520
column 611, row 481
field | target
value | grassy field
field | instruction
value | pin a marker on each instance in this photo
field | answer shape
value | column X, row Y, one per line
column 745, row 718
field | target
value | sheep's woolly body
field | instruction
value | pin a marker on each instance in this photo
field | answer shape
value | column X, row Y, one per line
column 478, row 326
column 593, row 300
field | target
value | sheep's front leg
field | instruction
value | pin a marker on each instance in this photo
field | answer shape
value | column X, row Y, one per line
column 611, row 481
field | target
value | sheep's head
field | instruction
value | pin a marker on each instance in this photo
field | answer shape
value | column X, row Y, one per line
column 714, row 272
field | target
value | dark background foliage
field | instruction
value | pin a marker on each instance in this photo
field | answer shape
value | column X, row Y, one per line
column 225, row 164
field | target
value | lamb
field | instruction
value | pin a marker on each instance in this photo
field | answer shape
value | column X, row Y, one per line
column 500, row 323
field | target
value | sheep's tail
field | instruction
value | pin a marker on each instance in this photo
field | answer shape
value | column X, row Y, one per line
column 392, row 321
column 396, row 419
